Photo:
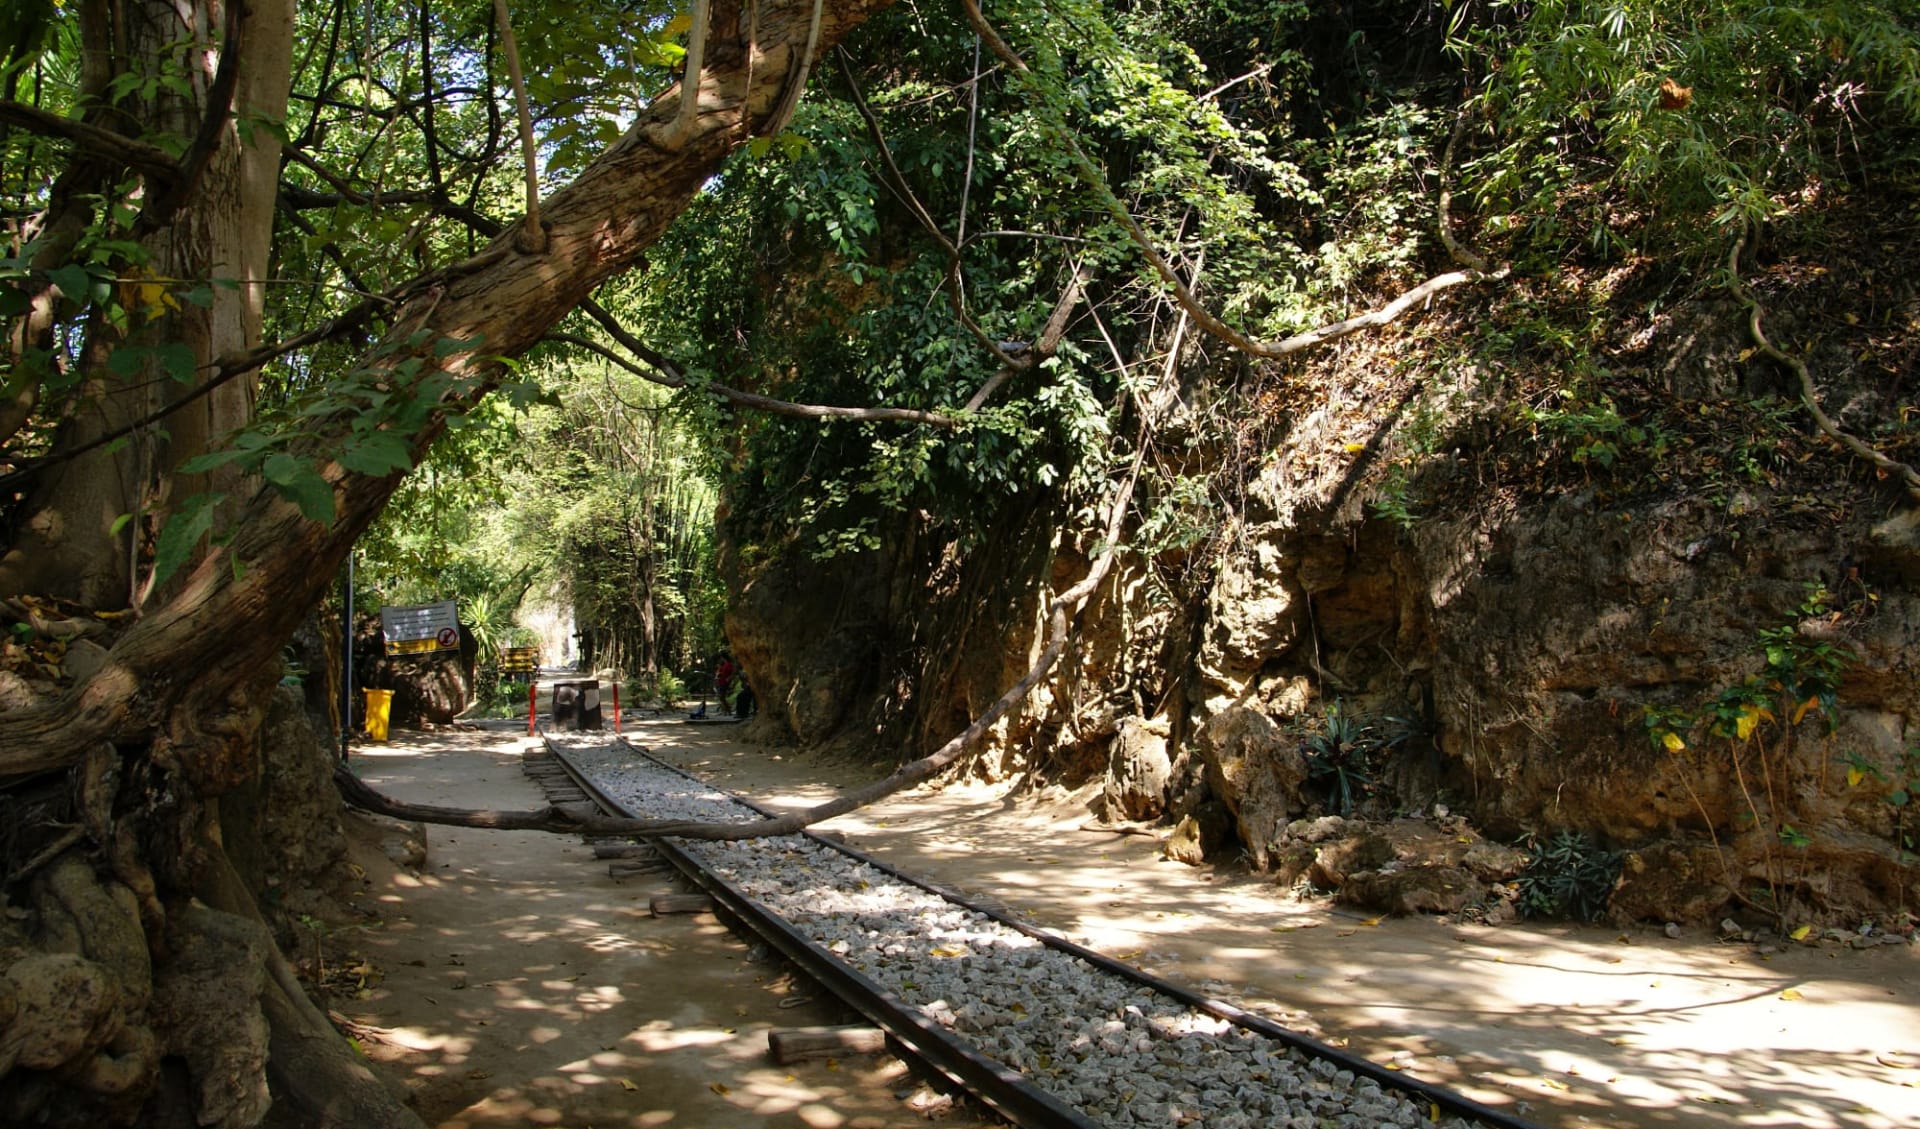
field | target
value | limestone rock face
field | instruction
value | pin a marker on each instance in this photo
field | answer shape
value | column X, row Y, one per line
column 1183, row 844
column 1256, row 771
column 1500, row 652
column 1670, row 881
column 1138, row 773
column 1255, row 610
column 1405, row 866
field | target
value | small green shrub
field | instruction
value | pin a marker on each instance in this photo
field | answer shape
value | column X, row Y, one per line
column 1340, row 759
column 1569, row 877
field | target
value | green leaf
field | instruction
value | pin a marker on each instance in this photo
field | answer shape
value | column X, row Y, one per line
column 376, row 453
column 447, row 346
column 182, row 532
column 72, row 281
column 201, row 464
column 125, row 362
column 298, row 481
column 178, row 361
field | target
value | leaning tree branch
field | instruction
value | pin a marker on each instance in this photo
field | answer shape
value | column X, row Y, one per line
column 534, row 240
column 1061, row 612
column 1809, row 392
column 660, row 371
column 224, row 370
column 149, row 160
column 1183, row 294
column 278, row 562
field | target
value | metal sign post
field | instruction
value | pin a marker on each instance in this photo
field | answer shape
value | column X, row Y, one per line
column 346, row 657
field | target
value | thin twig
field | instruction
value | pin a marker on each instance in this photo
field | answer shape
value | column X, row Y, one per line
column 659, row 370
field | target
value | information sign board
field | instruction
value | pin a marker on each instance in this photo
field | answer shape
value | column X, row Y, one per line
column 421, row 628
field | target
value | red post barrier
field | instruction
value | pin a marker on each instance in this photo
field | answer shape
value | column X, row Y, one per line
column 533, row 701
column 616, row 705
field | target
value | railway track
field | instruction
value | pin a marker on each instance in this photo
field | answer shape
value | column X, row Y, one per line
column 1048, row 1033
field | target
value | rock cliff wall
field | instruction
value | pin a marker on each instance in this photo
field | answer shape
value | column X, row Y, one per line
column 1664, row 620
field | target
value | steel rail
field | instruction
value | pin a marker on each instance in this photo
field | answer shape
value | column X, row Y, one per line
column 1006, row 1090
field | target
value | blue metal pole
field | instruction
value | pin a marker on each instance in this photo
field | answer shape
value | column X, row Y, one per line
column 346, row 655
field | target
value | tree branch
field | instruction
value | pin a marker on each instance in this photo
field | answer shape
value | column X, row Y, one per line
column 1809, row 392
column 278, row 562
column 955, row 282
column 206, row 140
column 149, row 160
column 534, row 239
column 664, row 373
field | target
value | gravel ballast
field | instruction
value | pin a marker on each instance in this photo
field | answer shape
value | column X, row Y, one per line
column 1121, row 1052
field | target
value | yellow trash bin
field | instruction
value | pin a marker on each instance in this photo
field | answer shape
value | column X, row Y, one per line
column 379, row 706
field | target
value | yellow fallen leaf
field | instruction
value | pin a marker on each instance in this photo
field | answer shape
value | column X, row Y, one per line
column 1555, row 1083
column 1371, row 921
column 627, row 1085
column 1800, row 934
column 1791, row 994
column 1355, row 448
column 721, row 1087
column 948, row 951
column 1751, row 716
column 1673, row 743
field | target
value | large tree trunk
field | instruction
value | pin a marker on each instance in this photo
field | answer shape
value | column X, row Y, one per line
column 166, row 722
column 74, row 543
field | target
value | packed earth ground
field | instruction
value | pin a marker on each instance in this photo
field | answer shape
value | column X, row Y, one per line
column 508, row 979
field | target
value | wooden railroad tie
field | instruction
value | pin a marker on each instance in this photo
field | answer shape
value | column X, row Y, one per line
column 623, row 851
column 635, row 869
column 664, row 904
column 798, row 1044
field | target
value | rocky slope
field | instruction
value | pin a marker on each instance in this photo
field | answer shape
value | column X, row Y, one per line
column 1610, row 592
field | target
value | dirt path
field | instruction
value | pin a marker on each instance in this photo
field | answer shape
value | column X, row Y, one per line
column 513, row 983
column 1572, row 1026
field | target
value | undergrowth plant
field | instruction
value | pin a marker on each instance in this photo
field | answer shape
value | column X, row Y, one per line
column 1753, row 728
column 1340, row 758
column 1570, row 876
column 1900, row 787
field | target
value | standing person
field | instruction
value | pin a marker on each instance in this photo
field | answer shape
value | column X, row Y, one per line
column 723, row 675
